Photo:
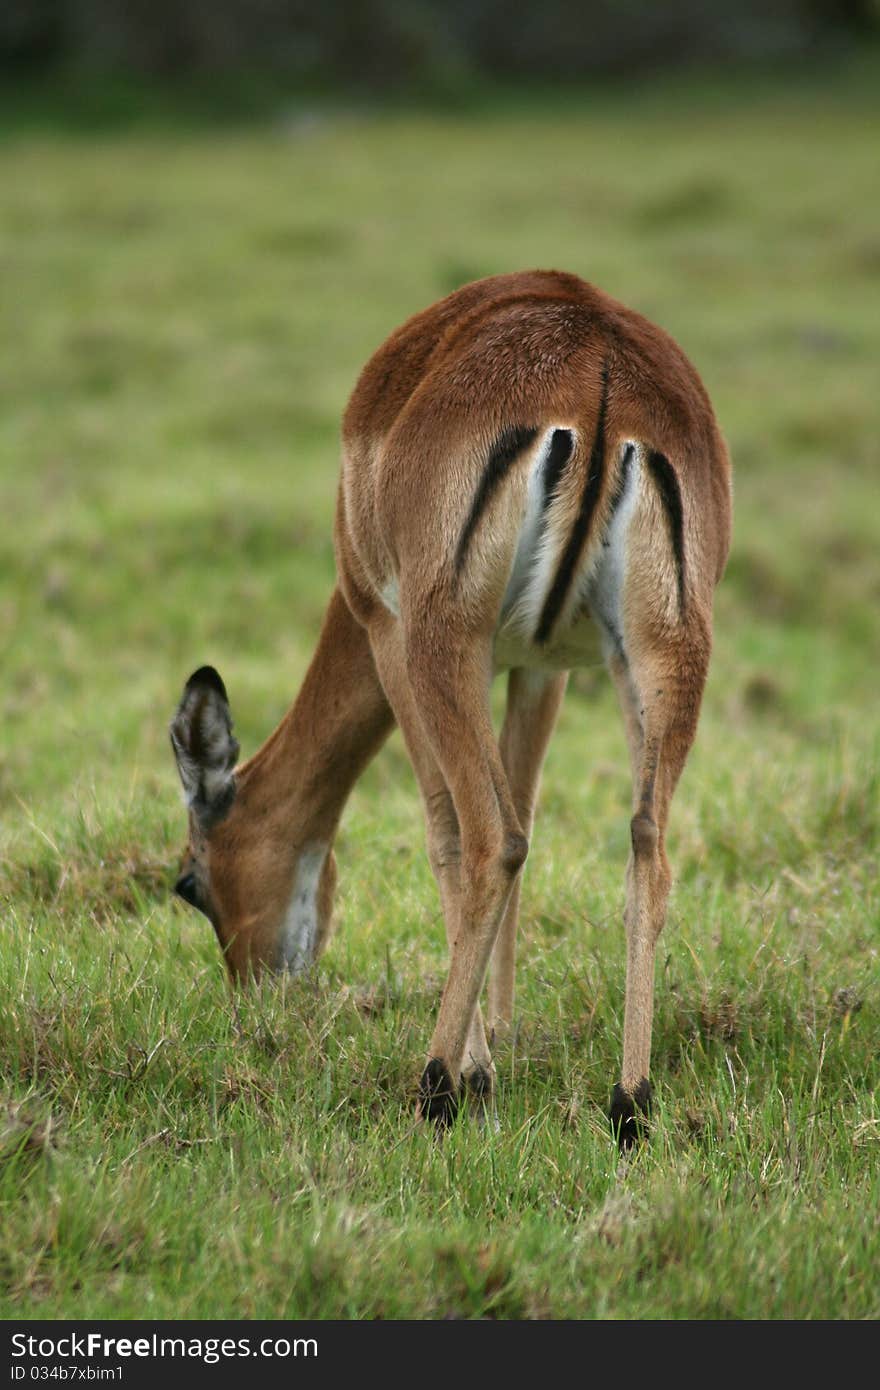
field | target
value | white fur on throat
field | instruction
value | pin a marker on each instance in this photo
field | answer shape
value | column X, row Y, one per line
column 299, row 929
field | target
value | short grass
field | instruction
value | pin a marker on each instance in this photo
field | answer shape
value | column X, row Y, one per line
column 185, row 312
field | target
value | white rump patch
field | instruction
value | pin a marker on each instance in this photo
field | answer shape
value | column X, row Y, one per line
column 605, row 589
column 594, row 605
column 299, row 930
column 537, row 550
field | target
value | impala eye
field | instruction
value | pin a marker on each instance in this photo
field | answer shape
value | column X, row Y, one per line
column 187, row 888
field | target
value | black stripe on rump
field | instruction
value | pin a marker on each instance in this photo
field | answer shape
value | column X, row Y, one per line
column 670, row 495
column 574, row 547
column 507, row 447
column 561, row 450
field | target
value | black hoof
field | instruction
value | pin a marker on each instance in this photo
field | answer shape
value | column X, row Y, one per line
column 438, row 1100
column 629, row 1113
column 479, row 1086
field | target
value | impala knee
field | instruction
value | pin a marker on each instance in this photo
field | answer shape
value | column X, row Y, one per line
column 514, row 852
column 645, row 836
column 494, row 864
column 444, row 852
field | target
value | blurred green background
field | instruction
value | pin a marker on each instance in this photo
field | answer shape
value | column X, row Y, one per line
column 210, row 215
column 373, row 43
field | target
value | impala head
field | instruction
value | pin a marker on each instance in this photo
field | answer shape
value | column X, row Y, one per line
column 267, row 894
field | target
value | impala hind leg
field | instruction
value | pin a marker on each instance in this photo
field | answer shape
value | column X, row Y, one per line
column 442, row 829
column 533, row 701
column 660, row 699
column 449, row 678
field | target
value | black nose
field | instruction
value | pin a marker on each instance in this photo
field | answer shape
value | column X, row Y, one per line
column 185, row 888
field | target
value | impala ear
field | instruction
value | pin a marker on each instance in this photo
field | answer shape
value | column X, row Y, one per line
column 206, row 752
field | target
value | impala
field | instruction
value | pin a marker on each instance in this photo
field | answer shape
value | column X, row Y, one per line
column 529, row 470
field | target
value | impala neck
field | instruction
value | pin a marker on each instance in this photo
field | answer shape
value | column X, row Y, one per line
column 300, row 779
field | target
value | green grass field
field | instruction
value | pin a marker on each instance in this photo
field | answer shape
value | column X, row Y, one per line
column 186, row 310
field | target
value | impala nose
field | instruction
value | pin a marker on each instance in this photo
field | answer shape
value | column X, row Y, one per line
column 185, row 888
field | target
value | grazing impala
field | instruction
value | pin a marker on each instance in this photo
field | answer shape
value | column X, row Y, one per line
column 528, row 467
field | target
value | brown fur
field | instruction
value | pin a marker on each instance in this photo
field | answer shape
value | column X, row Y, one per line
column 509, row 357
column 288, row 796
column 526, row 351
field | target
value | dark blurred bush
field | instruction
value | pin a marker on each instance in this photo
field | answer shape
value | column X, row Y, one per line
column 377, row 42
